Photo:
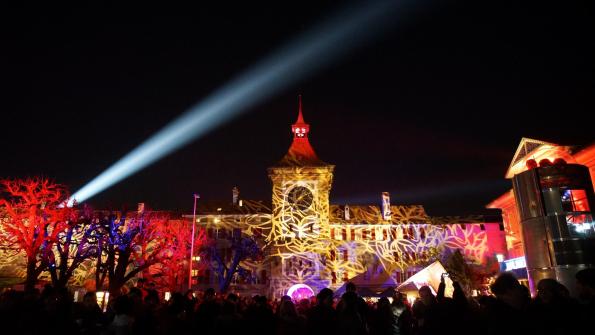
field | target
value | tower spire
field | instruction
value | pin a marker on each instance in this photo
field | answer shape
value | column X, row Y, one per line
column 300, row 119
column 300, row 152
column 300, row 128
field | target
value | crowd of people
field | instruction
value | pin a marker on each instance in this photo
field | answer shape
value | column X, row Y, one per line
column 510, row 310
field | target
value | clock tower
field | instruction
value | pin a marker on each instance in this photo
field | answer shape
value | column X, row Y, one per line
column 300, row 212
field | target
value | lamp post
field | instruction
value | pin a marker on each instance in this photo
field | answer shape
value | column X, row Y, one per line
column 196, row 196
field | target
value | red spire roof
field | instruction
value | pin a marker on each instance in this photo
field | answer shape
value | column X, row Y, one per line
column 300, row 119
column 300, row 152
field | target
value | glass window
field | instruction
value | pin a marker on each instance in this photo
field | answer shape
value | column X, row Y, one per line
column 575, row 201
column 580, row 225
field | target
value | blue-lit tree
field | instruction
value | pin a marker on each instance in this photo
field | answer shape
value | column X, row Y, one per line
column 129, row 246
column 74, row 245
column 241, row 248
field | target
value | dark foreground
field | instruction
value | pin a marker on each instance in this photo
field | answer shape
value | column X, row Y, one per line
column 509, row 311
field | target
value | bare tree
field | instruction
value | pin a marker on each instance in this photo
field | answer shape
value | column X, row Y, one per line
column 33, row 216
column 241, row 248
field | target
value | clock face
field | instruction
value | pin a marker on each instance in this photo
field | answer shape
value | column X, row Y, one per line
column 300, row 198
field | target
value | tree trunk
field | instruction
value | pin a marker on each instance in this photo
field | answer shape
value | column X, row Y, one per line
column 32, row 274
column 114, row 288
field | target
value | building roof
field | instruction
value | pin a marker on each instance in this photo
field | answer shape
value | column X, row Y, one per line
column 219, row 207
column 300, row 152
column 535, row 149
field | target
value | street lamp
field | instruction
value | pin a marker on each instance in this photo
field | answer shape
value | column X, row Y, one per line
column 196, row 196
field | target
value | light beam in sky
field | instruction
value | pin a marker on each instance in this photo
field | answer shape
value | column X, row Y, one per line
column 288, row 65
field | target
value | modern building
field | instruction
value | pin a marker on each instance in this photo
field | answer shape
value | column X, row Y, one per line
column 548, row 215
column 312, row 243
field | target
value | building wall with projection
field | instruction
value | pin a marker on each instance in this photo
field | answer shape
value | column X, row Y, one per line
column 307, row 240
column 310, row 241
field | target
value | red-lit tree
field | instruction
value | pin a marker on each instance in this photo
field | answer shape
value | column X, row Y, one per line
column 129, row 246
column 32, row 219
column 171, row 274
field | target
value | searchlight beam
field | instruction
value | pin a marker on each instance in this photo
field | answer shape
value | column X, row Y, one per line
column 290, row 64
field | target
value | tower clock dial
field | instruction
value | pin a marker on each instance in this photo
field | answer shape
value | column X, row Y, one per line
column 300, row 198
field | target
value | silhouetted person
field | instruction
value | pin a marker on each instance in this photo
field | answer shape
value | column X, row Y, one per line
column 289, row 322
column 509, row 307
column 585, row 287
column 552, row 304
column 207, row 313
column 383, row 321
column 189, row 302
column 122, row 322
column 349, row 318
column 259, row 317
column 402, row 314
column 425, row 312
column 147, row 321
column 174, row 316
column 362, row 306
column 229, row 321
column 322, row 317
column 88, row 316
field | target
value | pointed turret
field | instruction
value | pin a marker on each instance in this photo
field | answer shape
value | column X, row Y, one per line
column 300, row 129
column 300, row 119
column 300, row 152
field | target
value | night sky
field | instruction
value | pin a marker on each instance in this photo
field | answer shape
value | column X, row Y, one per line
column 431, row 111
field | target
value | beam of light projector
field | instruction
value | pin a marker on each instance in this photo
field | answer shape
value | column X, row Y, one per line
column 288, row 65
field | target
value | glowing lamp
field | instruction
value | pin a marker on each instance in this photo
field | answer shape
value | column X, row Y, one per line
column 102, row 299
column 300, row 291
column 167, row 296
column 531, row 164
column 411, row 299
column 545, row 162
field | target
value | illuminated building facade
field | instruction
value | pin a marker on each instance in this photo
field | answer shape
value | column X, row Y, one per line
column 309, row 243
column 548, row 216
column 312, row 242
